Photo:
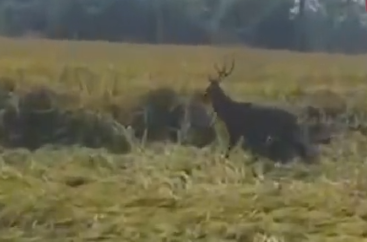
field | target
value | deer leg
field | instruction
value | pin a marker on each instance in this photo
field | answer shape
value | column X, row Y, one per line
column 233, row 139
column 305, row 150
column 299, row 144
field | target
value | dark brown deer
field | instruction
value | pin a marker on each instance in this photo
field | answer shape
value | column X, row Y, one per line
column 267, row 131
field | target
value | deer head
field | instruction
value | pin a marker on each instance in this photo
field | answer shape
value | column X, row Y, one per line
column 214, row 89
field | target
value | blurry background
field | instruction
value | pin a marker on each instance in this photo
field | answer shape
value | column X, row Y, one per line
column 304, row 25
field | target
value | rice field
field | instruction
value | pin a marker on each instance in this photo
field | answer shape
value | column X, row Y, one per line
column 168, row 192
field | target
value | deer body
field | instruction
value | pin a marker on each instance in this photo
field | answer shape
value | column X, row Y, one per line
column 267, row 131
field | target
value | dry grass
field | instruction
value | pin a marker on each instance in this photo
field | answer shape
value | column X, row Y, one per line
column 173, row 193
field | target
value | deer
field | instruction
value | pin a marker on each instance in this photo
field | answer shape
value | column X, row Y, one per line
column 266, row 131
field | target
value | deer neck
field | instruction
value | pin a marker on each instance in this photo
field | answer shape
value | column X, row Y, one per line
column 222, row 104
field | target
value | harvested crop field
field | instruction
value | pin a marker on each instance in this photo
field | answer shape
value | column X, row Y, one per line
column 150, row 189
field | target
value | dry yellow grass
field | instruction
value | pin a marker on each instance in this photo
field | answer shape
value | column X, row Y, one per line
column 173, row 193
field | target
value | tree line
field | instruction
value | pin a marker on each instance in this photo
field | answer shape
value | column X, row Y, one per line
column 303, row 25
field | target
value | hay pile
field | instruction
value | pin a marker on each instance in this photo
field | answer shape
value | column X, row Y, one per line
column 324, row 103
column 33, row 120
column 164, row 115
column 327, row 114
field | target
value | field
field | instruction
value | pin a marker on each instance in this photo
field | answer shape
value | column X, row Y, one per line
column 167, row 192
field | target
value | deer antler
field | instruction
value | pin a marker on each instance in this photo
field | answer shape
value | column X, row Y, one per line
column 223, row 71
